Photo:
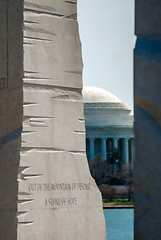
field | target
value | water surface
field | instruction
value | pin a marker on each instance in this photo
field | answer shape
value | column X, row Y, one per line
column 119, row 224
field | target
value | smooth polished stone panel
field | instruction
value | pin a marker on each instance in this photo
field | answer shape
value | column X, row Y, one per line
column 147, row 174
column 3, row 44
column 147, row 17
column 58, row 199
column 11, row 71
column 147, row 165
column 148, row 71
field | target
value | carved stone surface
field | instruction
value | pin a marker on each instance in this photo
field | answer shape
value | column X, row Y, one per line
column 58, row 199
column 147, row 120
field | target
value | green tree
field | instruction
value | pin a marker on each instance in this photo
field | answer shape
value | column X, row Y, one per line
column 127, row 174
column 114, row 158
column 99, row 169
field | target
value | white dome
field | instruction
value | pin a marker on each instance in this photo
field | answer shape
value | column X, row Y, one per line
column 94, row 94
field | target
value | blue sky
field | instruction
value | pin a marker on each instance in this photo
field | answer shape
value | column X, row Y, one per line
column 107, row 34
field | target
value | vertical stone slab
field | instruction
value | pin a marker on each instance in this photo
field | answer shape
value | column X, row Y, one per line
column 10, row 114
column 15, row 40
column 147, row 120
column 58, row 199
column 3, row 43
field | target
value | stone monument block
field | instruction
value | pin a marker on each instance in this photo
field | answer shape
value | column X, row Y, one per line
column 147, row 120
column 147, row 17
column 3, row 43
column 57, row 197
column 11, row 71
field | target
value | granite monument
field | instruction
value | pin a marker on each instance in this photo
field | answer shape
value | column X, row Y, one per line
column 45, row 184
column 57, row 198
column 147, row 167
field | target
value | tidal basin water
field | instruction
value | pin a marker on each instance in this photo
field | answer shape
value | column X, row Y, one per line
column 119, row 224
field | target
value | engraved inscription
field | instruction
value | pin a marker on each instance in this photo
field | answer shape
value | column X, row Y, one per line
column 37, row 187
column 61, row 201
column 57, row 201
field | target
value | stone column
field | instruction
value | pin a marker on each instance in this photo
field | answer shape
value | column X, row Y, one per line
column 91, row 141
column 103, row 148
column 115, row 143
column 132, row 151
column 126, row 151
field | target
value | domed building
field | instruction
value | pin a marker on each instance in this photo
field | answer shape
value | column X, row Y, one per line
column 109, row 124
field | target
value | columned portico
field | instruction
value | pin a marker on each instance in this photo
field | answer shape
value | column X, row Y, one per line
column 108, row 122
column 92, row 152
column 99, row 145
column 126, row 151
column 103, row 147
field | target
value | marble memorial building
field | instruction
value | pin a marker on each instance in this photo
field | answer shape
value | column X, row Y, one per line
column 109, row 124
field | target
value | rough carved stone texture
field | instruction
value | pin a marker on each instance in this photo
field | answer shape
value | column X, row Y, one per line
column 11, row 53
column 58, row 199
column 148, row 120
